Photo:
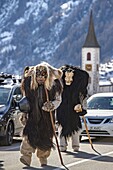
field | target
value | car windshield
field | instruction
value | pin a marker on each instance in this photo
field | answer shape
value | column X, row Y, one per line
column 4, row 95
column 101, row 103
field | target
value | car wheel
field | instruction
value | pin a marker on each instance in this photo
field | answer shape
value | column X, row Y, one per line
column 8, row 139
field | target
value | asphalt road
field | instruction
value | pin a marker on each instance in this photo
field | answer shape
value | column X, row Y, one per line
column 86, row 159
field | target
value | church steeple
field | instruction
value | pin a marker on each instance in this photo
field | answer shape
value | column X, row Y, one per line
column 91, row 40
column 91, row 58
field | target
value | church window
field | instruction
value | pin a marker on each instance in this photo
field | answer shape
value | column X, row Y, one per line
column 88, row 56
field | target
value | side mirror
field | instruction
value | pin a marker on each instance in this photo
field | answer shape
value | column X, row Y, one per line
column 24, row 105
column 16, row 99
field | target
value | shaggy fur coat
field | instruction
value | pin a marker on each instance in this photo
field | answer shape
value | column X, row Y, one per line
column 67, row 117
column 38, row 127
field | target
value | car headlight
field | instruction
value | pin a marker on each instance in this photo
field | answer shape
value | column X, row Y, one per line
column 111, row 120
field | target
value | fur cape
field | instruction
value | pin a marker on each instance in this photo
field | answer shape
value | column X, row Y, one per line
column 38, row 127
column 66, row 116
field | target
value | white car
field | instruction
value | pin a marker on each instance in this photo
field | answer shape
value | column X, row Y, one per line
column 99, row 117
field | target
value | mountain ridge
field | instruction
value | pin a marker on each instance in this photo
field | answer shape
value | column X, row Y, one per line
column 51, row 31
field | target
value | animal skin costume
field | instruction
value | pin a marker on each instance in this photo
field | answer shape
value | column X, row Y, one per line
column 74, row 105
column 38, row 132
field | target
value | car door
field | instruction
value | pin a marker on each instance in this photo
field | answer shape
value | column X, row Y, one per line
column 16, row 111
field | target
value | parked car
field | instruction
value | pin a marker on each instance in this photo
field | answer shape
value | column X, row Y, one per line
column 9, row 111
column 99, row 117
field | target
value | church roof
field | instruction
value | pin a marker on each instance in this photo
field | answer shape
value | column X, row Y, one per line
column 91, row 40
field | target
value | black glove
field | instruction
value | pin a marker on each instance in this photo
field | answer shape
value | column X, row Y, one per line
column 84, row 112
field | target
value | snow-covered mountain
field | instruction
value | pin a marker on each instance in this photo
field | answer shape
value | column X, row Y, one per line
column 51, row 30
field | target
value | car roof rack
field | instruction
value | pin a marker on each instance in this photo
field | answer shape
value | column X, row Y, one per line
column 6, row 78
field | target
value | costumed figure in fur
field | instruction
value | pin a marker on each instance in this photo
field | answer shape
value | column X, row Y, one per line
column 73, row 105
column 38, row 131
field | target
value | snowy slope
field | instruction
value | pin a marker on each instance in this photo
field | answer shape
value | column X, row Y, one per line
column 54, row 31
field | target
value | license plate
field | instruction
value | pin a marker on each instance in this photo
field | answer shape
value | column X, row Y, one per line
column 95, row 128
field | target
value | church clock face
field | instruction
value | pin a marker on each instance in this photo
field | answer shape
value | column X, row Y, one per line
column 88, row 67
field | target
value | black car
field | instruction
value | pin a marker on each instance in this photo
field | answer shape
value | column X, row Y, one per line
column 9, row 111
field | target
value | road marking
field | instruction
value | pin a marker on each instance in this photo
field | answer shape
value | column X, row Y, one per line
column 85, row 160
column 68, row 165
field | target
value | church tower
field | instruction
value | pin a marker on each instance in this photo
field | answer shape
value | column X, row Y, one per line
column 91, row 58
